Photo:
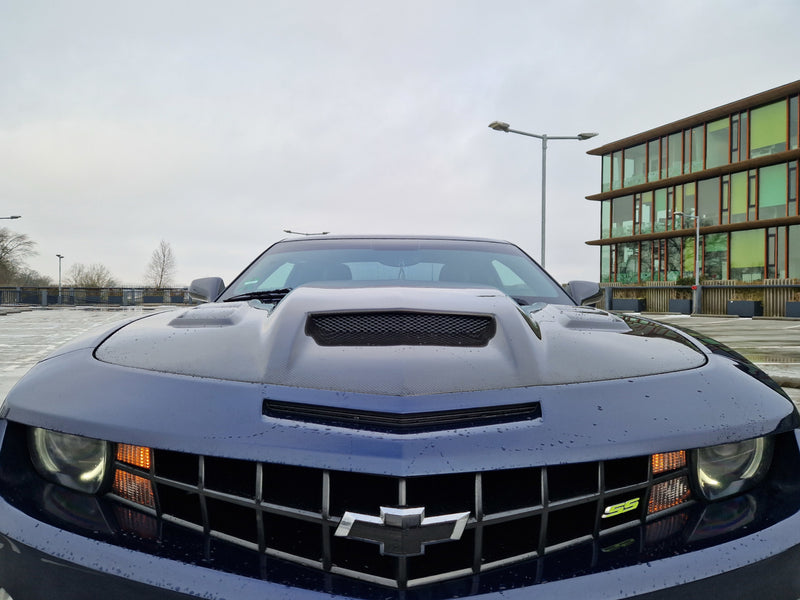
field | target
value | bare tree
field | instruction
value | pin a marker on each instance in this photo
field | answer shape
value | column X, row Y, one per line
column 14, row 249
column 90, row 276
column 161, row 269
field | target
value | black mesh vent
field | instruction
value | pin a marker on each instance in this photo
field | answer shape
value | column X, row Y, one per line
column 292, row 513
column 400, row 328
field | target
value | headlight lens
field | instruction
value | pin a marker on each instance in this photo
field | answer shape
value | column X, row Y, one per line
column 729, row 469
column 77, row 462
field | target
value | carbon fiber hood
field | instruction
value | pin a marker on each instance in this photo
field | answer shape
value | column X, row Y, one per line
column 244, row 342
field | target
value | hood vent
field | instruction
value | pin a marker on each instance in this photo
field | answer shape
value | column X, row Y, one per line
column 400, row 328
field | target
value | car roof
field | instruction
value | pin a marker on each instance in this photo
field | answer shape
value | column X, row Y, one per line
column 301, row 238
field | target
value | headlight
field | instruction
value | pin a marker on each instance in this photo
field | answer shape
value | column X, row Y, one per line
column 76, row 462
column 727, row 469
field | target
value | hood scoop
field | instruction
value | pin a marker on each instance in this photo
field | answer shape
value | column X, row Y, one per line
column 400, row 328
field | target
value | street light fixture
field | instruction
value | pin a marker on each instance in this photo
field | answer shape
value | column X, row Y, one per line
column 696, row 288
column 60, row 256
column 505, row 127
column 12, row 217
column 305, row 233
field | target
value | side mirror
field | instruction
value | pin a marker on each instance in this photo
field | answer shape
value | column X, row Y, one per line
column 206, row 289
column 583, row 292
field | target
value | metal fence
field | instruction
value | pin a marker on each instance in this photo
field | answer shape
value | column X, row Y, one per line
column 49, row 296
column 771, row 297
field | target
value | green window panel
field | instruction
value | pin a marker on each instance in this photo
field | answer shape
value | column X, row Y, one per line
column 661, row 210
column 673, row 259
column 794, row 251
column 616, row 170
column 605, row 219
column 688, row 256
column 627, row 263
column 675, row 155
column 605, row 264
column 635, row 165
column 772, row 192
column 646, row 215
column 715, row 261
column 647, row 261
column 747, row 255
column 653, row 160
column 717, row 152
column 698, row 142
column 622, row 216
column 606, row 179
column 794, row 128
column 708, row 201
column 768, row 129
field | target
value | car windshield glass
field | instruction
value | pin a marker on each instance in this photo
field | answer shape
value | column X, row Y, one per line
column 498, row 265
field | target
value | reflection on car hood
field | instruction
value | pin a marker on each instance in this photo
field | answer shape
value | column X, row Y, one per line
column 555, row 345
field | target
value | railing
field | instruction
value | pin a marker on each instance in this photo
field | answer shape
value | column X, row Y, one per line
column 773, row 294
column 73, row 296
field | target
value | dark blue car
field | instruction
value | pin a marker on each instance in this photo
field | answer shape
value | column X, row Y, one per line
column 410, row 418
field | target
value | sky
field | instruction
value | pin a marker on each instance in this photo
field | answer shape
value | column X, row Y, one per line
column 215, row 126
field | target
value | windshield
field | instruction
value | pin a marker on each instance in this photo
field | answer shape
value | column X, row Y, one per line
column 436, row 262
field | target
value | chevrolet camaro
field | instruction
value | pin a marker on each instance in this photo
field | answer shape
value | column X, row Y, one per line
column 416, row 418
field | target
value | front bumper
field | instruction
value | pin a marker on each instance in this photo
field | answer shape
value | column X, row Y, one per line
column 41, row 561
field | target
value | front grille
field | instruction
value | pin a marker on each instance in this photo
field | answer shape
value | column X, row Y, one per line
column 402, row 423
column 292, row 513
column 400, row 328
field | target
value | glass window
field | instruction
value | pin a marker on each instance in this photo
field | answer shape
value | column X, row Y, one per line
column 698, row 142
column 627, row 263
column 606, row 183
column 605, row 219
column 768, row 129
column 675, row 155
column 673, row 258
column 646, row 214
column 605, row 264
column 734, row 138
column 717, row 152
column 688, row 201
column 622, row 216
column 793, row 188
column 751, row 196
column 794, row 251
column 772, row 192
column 725, row 198
column 678, row 203
column 739, row 197
column 647, row 261
column 708, row 201
column 743, row 136
column 715, row 261
column 794, row 134
column 635, row 165
column 664, row 162
column 661, row 210
column 653, row 160
column 687, row 151
column 616, row 170
column 776, row 253
column 747, row 255
column 688, row 256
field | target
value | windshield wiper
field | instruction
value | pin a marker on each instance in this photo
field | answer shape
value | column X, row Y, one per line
column 263, row 295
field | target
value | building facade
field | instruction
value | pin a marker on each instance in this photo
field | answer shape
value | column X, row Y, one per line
column 734, row 168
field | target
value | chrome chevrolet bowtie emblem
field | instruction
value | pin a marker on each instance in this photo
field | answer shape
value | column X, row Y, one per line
column 402, row 531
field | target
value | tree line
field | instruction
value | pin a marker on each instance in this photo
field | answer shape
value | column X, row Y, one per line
column 16, row 248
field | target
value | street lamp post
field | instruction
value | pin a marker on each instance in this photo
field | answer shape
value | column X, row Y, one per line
column 500, row 126
column 696, row 292
column 60, row 256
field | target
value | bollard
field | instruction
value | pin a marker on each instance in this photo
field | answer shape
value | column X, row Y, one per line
column 44, row 297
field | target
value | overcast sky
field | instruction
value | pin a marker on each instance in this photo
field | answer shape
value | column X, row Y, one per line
column 215, row 126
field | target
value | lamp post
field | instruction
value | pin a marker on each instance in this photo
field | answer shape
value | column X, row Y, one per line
column 60, row 256
column 500, row 126
column 696, row 293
